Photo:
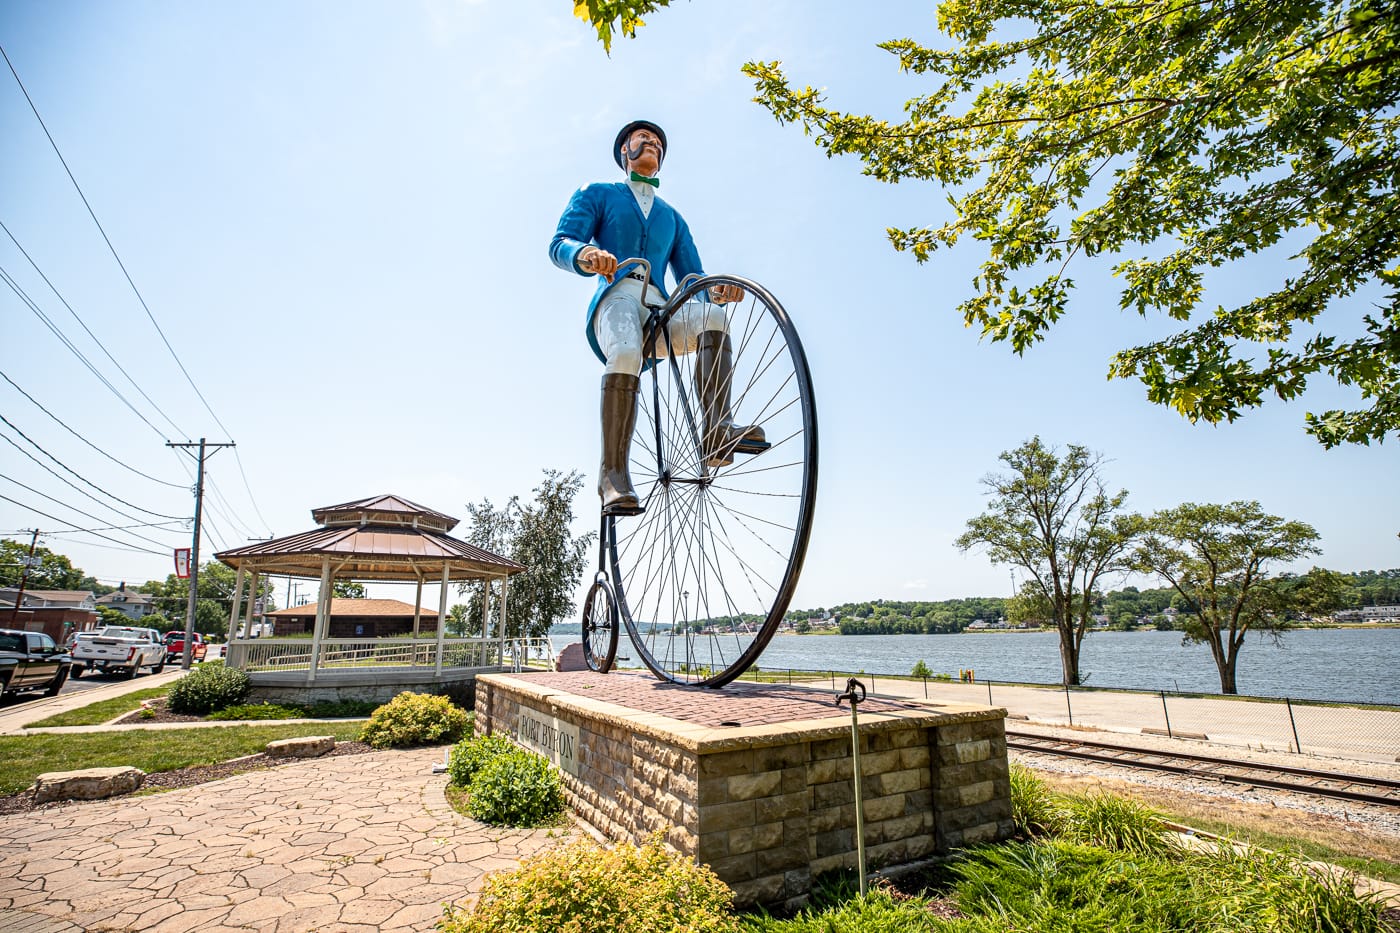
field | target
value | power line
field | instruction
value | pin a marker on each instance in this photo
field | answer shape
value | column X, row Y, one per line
column 59, row 421
column 177, row 521
column 107, row 240
column 104, row 492
column 14, row 286
column 124, row 545
column 227, row 510
column 65, row 482
column 121, row 369
column 69, row 505
column 132, row 283
column 239, row 460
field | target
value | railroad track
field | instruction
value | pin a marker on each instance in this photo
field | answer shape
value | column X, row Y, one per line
column 1353, row 787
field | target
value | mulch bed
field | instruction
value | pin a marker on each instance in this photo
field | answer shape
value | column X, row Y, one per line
column 184, row 777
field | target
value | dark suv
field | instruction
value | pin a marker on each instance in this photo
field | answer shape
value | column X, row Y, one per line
column 32, row 661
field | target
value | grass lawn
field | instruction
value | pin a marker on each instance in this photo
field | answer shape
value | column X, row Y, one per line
column 25, row 757
column 95, row 714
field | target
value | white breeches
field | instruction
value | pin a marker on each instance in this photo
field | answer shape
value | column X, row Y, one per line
column 620, row 318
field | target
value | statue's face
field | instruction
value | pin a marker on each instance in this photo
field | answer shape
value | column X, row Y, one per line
column 647, row 146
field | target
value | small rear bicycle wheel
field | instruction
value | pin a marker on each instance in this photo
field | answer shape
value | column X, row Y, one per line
column 704, row 575
column 599, row 627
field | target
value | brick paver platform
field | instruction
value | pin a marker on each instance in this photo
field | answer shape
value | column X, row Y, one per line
column 734, row 705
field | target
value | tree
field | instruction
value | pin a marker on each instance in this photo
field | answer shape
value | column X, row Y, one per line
column 1178, row 138
column 1053, row 517
column 348, row 589
column 1216, row 557
column 461, row 624
column 538, row 537
column 216, row 585
column 53, row 572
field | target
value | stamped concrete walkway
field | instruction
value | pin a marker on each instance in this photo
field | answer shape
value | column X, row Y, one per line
column 349, row 844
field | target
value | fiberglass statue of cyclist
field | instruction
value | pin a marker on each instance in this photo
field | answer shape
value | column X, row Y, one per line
column 603, row 224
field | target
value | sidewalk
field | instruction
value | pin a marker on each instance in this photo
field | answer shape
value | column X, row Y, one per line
column 357, row 843
column 1334, row 732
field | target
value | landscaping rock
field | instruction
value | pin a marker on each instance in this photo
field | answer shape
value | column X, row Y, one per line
column 307, row 746
column 571, row 658
column 88, row 784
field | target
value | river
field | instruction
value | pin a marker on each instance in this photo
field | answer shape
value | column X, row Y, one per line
column 1347, row 665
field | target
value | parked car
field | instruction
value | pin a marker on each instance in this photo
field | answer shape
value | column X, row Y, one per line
column 175, row 647
column 120, row 648
column 32, row 661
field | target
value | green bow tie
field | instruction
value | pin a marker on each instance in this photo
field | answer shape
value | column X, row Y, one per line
column 654, row 182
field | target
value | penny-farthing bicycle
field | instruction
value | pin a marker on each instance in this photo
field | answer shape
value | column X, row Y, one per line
column 701, row 579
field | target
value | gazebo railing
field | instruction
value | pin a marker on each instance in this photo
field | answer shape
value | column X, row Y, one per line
column 295, row 654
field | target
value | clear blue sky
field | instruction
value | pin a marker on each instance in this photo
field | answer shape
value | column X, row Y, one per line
column 338, row 213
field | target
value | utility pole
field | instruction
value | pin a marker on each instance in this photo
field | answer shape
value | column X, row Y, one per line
column 24, row 576
column 188, row 654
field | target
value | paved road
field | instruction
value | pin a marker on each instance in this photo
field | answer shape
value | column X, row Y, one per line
column 17, row 712
column 357, row 843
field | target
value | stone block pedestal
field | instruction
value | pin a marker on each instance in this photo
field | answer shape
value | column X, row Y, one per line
column 755, row 780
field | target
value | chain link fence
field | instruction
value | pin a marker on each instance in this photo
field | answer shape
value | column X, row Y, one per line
column 1333, row 729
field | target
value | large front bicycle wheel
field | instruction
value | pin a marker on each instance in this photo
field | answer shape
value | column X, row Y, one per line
column 703, row 577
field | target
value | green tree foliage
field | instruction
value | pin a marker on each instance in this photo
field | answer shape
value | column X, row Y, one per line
column 1054, row 517
column 54, row 572
column 1217, row 557
column 461, row 624
column 624, row 15
column 538, row 537
column 1176, row 138
column 216, row 585
column 348, row 589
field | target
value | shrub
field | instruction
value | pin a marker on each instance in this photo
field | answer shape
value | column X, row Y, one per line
column 209, row 687
column 1034, row 807
column 1116, row 823
column 341, row 709
column 258, row 711
column 470, row 754
column 625, row 889
column 414, row 719
column 921, row 670
column 515, row 788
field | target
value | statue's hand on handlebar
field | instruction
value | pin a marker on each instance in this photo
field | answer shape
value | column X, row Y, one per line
column 598, row 261
column 725, row 294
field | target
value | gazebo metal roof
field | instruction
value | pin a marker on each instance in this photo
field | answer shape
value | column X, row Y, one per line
column 379, row 538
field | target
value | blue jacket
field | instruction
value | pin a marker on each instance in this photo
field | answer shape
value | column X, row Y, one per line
column 606, row 215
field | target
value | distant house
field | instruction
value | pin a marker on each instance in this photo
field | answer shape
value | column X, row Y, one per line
column 355, row 618
column 51, row 599
column 56, row 613
column 1380, row 613
column 129, row 603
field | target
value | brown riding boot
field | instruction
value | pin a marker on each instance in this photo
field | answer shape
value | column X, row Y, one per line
column 619, row 415
column 714, row 371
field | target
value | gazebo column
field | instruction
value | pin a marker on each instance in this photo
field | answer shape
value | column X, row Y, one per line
column 505, row 592
column 417, row 611
column 237, row 598
column 323, row 612
column 486, row 619
column 442, row 616
column 252, row 598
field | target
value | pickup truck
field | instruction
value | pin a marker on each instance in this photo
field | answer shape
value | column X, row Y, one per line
column 175, row 647
column 31, row 661
column 119, row 648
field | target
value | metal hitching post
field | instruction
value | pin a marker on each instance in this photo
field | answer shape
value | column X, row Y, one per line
column 852, row 687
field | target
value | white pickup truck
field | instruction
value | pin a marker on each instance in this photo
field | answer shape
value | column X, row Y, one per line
column 119, row 649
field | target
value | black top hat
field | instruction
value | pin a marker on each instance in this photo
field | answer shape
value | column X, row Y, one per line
column 626, row 131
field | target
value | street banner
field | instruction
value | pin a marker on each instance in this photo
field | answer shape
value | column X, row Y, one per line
column 182, row 563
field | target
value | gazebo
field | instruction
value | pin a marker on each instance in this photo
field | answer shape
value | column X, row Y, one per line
column 386, row 538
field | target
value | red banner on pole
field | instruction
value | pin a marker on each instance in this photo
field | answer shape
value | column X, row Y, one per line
column 182, row 563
